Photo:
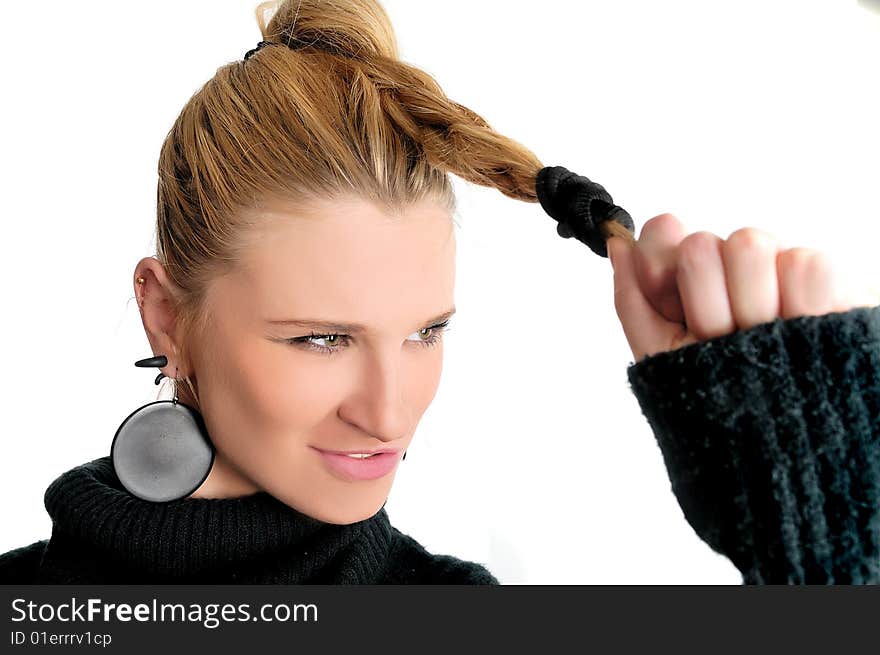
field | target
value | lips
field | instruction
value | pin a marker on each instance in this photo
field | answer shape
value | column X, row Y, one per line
column 354, row 468
column 360, row 452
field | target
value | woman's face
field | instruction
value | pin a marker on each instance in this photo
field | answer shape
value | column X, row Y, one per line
column 269, row 404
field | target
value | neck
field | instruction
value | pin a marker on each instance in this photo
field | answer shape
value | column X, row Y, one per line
column 225, row 481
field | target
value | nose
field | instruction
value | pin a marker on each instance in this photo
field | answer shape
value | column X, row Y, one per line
column 378, row 404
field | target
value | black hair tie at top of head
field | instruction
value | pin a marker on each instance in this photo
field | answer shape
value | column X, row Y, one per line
column 292, row 43
column 260, row 45
column 580, row 206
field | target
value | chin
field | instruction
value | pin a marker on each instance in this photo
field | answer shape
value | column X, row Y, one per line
column 347, row 518
column 338, row 518
column 339, row 513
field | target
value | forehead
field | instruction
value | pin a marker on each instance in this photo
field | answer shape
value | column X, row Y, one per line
column 346, row 260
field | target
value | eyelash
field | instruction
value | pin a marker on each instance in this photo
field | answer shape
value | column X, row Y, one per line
column 433, row 340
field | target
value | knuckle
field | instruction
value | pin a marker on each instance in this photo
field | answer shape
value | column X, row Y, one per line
column 698, row 242
column 820, row 263
column 750, row 239
column 659, row 222
column 803, row 260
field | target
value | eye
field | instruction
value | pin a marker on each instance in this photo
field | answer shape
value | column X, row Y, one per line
column 430, row 336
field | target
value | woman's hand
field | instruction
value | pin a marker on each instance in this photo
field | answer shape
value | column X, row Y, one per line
column 671, row 290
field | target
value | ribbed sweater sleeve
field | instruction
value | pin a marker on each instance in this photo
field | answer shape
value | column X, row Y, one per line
column 771, row 440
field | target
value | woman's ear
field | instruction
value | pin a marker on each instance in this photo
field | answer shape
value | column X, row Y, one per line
column 156, row 294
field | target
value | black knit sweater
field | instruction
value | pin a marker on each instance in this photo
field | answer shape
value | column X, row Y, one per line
column 104, row 535
column 770, row 436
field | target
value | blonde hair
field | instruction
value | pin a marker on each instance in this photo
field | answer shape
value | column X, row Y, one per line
column 333, row 113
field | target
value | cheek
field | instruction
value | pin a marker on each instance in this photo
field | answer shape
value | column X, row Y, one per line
column 280, row 387
column 262, row 389
column 425, row 377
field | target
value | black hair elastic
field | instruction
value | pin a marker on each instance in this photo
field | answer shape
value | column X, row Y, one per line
column 580, row 206
column 260, row 45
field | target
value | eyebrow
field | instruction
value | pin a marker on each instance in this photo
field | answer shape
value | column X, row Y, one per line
column 356, row 328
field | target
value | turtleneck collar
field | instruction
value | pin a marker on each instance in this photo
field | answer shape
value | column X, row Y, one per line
column 251, row 539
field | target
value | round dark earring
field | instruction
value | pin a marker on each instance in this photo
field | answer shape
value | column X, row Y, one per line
column 161, row 451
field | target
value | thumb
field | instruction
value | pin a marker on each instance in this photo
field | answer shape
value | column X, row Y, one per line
column 646, row 330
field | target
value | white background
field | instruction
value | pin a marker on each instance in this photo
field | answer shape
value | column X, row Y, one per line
column 755, row 113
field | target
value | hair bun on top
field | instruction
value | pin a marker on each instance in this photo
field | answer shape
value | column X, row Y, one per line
column 349, row 28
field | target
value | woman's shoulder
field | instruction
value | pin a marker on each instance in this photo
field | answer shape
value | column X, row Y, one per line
column 19, row 566
column 411, row 563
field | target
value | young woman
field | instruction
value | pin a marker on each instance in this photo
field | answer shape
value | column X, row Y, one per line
column 297, row 301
